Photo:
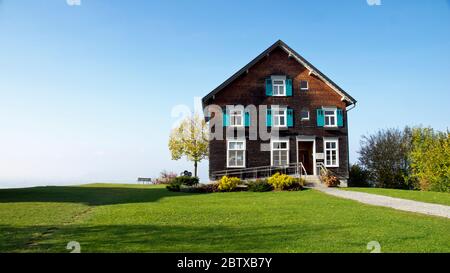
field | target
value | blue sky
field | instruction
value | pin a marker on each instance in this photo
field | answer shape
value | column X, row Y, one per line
column 86, row 92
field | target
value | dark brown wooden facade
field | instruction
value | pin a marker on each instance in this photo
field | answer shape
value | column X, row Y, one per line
column 248, row 88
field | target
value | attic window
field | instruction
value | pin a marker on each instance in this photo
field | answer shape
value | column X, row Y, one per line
column 304, row 85
column 330, row 117
column 279, row 85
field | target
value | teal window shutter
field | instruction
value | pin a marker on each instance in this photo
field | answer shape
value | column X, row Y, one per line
column 269, row 118
column 289, row 87
column 247, row 119
column 290, row 117
column 226, row 119
column 320, row 118
column 340, row 118
column 268, row 87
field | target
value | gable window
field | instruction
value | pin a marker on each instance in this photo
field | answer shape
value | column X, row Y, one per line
column 236, row 118
column 235, row 154
column 331, row 147
column 304, row 85
column 280, row 153
column 330, row 117
column 304, row 114
column 278, row 85
column 279, row 117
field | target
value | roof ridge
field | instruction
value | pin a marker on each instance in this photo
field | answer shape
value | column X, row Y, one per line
column 299, row 58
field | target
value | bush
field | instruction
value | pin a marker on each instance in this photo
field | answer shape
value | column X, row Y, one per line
column 228, row 183
column 174, row 187
column 178, row 182
column 385, row 155
column 212, row 187
column 297, row 185
column 260, row 185
column 186, row 180
column 330, row 180
column 358, row 177
column 430, row 160
column 202, row 188
column 165, row 177
column 281, row 181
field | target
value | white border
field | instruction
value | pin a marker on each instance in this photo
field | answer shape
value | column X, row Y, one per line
column 331, row 139
column 335, row 117
column 279, row 78
column 308, row 139
column 271, row 150
column 245, row 151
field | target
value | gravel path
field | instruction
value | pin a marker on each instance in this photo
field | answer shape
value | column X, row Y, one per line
column 390, row 202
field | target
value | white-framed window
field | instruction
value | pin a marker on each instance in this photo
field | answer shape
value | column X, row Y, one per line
column 304, row 86
column 279, row 116
column 278, row 85
column 304, row 114
column 237, row 118
column 331, row 148
column 330, row 115
column 236, row 154
column 279, row 152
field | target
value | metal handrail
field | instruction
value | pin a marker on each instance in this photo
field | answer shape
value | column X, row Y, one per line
column 322, row 167
column 324, row 171
column 298, row 169
column 303, row 168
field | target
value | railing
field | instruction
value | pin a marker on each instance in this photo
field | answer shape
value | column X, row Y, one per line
column 324, row 171
column 296, row 169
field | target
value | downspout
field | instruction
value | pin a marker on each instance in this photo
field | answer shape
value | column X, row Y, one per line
column 348, row 141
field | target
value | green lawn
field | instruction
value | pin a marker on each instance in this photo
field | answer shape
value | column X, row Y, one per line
column 429, row 197
column 119, row 218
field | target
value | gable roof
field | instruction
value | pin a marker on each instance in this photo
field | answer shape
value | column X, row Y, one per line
column 312, row 70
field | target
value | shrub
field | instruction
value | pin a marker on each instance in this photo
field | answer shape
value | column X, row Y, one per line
column 385, row 155
column 281, row 181
column 212, row 187
column 177, row 183
column 430, row 160
column 174, row 187
column 358, row 177
column 228, row 183
column 202, row 188
column 165, row 177
column 186, row 180
column 260, row 185
column 330, row 180
column 297, row 185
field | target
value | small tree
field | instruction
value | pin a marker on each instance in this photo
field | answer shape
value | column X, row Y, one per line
column 386, row 156
column 430, row 159
column 358, row 177
column 190, row 139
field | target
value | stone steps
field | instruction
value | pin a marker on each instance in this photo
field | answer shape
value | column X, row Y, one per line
column 312, row 181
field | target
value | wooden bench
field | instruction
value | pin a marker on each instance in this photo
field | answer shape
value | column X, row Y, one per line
column 144, row 180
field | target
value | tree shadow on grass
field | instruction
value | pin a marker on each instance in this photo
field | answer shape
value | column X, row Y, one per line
column 92, row 196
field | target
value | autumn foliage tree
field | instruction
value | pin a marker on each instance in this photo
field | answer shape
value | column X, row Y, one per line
column 190, row 139
column 417, row 158
column 430, row 159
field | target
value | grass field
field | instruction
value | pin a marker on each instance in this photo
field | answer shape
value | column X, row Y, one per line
column 120, row 218
column 429, row 197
